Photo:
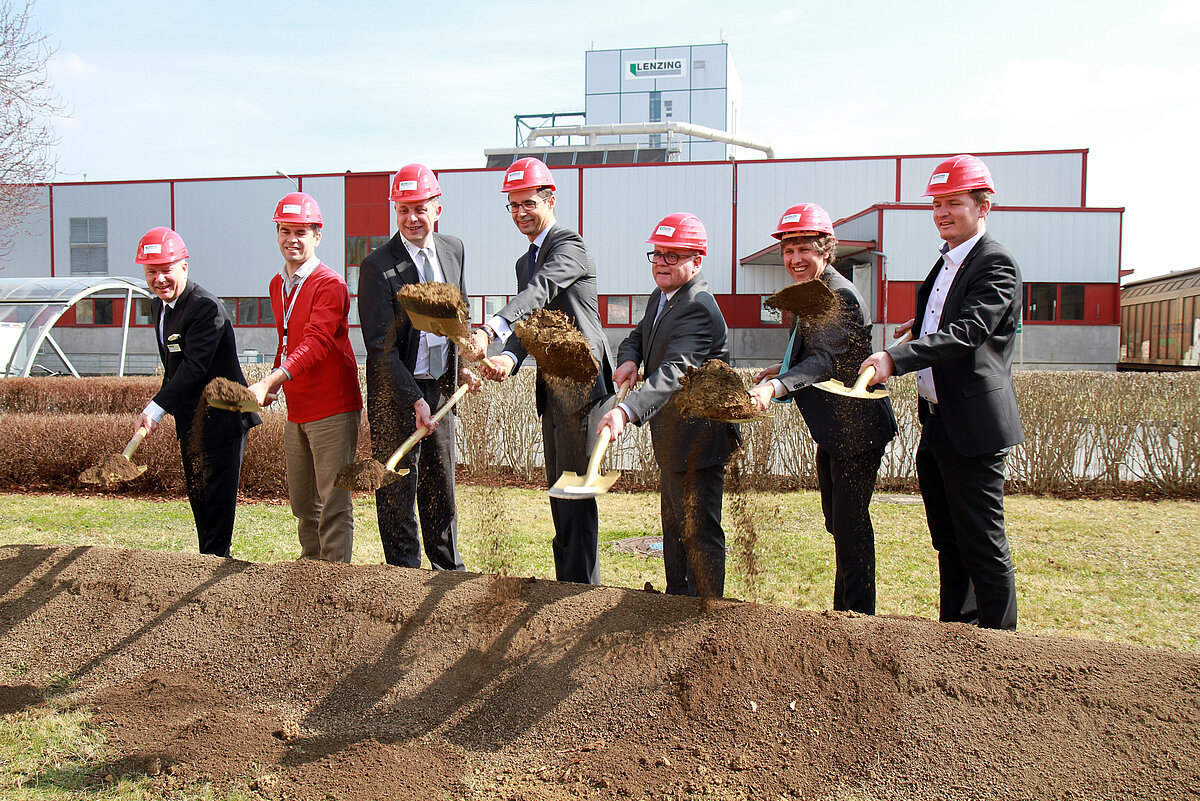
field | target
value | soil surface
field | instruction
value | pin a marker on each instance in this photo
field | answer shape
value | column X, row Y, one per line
column 310, row 680
column 113, row 469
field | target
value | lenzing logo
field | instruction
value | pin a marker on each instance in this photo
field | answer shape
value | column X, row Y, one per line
column 655, row 69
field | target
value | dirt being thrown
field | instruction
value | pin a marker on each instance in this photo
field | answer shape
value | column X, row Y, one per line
column 716, row 391
column 811, row 301
column 365, row 474
column 114, row 469
column 433, row 299
column 229, row 393
column 559, row 347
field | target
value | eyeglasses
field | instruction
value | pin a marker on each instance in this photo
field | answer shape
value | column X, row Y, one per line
column 528, row 205
column 671, row 259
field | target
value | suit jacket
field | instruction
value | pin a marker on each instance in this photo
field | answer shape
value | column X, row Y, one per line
column 200, row 346
column 563, row 279
column 836, row 348
column 689, row 332
column 971, row 351
column 389, row 335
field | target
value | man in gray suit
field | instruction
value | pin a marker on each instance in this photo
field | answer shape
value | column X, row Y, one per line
column 965, row 328
column 682, row 328
column 411, row 373
column 556, row 273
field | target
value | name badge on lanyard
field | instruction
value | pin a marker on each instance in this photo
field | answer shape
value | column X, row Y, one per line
column 287, row 315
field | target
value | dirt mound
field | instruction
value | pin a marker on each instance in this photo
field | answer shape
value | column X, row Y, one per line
column 311, row 680
column 113, row 469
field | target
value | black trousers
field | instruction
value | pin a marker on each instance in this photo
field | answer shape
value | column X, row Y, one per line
column 693, row 540
column 846, row 488
column 428, row 488
column 964, row 504
column 212, row 470
column 568, row 437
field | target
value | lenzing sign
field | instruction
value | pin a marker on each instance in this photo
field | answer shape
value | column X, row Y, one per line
column 670, row 68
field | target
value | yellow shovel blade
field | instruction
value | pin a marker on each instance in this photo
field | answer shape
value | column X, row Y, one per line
column 442, row 326
column 838, row 388
column 571, row 486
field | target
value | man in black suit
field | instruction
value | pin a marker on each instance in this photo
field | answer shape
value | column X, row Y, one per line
column 851, row 433
column 196, row 344
column 410, row 374
column 967, row 314
column 683, row 327
column 556, row 273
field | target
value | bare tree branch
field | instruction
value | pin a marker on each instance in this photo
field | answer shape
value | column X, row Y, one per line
column 28, row 103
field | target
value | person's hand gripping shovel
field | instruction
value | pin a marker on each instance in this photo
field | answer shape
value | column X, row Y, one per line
column 572, row 486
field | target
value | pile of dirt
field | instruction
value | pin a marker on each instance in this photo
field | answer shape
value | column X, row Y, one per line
column 311, row 680
column 113, row 469
column 433, row 299
column 229, row 394
column 366, row 475
column 561, row 350
column 715, row 390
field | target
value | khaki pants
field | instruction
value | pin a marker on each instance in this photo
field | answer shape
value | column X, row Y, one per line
column 315, row 453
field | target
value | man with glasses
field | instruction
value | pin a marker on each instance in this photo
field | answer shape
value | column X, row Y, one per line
column 683, row 327
column 410, row 373
column 556, row 273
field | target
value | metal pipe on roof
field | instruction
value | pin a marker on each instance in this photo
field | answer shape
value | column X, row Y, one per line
column 636, row 128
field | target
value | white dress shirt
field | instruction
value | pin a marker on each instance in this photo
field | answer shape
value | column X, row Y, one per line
column 952, row 259
column 421, row 368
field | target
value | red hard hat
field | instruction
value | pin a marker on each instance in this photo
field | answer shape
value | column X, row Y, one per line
column 959, row 174
column 680, row 230
column 298, row 208
column 414, row 183
column 526, row 173
column 160, row 246
column 804, row 219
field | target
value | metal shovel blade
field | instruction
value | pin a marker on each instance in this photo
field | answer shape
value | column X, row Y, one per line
column 452, row 326
column 573, row 487
column 234, row 406
column 859, row 390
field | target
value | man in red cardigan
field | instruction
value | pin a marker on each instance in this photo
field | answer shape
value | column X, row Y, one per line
column 311, row 306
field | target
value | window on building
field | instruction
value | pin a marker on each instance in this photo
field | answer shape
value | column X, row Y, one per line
column 249, row 311
column 141, row 311
column 89, row 246
column 357, row 249
column 94, row 311
column 617, row 310
column 493, row 304
column 265, row 315
column 475, row 302
column 639, row 304
column 352, row 278
column 768, row 315
column 1049, row 303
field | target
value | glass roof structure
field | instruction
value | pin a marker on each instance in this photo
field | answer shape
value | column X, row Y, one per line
column 29, row 308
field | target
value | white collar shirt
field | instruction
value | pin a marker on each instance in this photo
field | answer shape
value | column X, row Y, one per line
column 952, row 259
column 295, row 280
column 421, row 367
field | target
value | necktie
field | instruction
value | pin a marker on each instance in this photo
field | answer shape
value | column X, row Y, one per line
column 527, row 273
column 437, row 351
column 166, row 320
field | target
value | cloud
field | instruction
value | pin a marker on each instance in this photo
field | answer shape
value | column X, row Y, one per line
column 251, row 110
column 74, row 65
column 1056, row 90
column 1185, row 11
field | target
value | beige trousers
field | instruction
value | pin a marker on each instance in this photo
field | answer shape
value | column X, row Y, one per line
column 315, row 453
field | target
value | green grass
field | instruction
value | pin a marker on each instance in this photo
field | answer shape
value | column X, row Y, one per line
column 1122, row 571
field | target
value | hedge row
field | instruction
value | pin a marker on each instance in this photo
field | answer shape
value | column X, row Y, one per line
column 1095, row 433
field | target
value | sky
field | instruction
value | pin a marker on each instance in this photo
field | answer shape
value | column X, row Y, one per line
column 180, row 90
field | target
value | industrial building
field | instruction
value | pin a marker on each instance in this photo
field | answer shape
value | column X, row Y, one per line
column 1069, row 253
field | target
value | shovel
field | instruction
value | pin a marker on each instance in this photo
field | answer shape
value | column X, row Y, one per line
column 245, row 401
column 806, row 299
column 109, row 473
column 859, row 390
column 571, row 487
column 450, row 326
column 420, row 433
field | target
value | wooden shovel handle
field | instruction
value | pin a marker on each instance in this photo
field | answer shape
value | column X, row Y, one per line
column 422, row 431
column 133, row 443
column 593, row 468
